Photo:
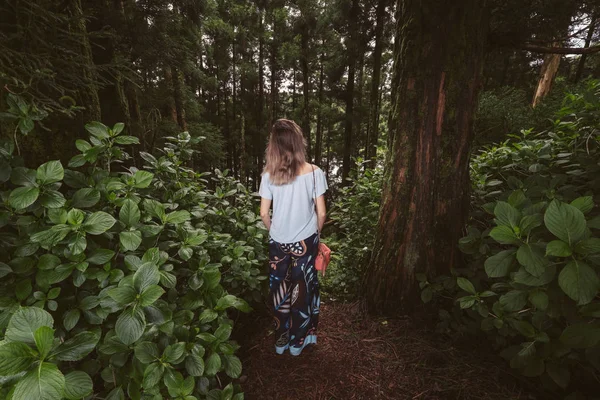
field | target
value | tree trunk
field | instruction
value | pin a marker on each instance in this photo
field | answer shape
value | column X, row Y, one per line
column 178, row 86
column 258, row 141
column 294, row 91
column 351, row 50
column 547, row 75
column 306, row 89
column 319, row 138
column 426, row 188
column 170, row 100
column 372, row 125
column 583, row 58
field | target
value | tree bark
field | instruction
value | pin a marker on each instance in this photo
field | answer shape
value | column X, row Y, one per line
column 347, row 160
column 547, row 75
column 372, row 125
column 306, row 89
column 170, row 100
column 425, row 201
column 258, row 142
column 588, row 41
column 319, row 134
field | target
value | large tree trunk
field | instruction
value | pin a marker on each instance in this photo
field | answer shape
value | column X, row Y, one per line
column 425, row 200
column 178, row 86
column 547, row 75
column 319, row 138
column 306, row 89
column 171, row 110
column 583, row 58
column 372, row 125
column 258, row 135
column 347, row 160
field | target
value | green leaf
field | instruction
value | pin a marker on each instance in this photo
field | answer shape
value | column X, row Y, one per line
column 178, row 217
column 98, row 222
column 75, row 217
column 514, row 300
column 499, row 264
column 23, row 177
column 581, row 335
column 76, row 348
column 150, row 295
column 45, row 382
column 223, row 332
column 532, row 258
column 129, row 213
column 507, row 215
column 24, row 323
column 146, row 352
column 52, row 199
column 174, row 352
column 194, row 365
column 529, row 223
column 212, row 364
column 579, row 282
column 155, row 209
column 57, row 216
column 82, row 145
column 127, row 140
column 539, row 299
column 504, row 234
column 23, row 197
column 118, row 128
column 146, row 275
column 559, row 374
column 100, row 256
column 565, row 221
column 466, row 285
column 15, row 357
column 558, row 248
column 130, row 325
column 211, row 278
column 123, row 295
column 71, row 318
column 589, row 246
column 130, row 240
column 44, row 339
column 116, row 394
column 233, row 366
column 78, row 385
column 152, row 375
column 524, row 328
column 23, row 289
column 97, row 129
column 467, row 302
column 208, row 315
column 52, row 236
column 85, row 198
column 583, row 204
column 142, row 179
column 50, row 172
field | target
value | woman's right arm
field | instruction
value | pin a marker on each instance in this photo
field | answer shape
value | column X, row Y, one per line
column 321, row 211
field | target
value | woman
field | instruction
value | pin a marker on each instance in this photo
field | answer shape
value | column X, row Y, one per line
column 295, row 187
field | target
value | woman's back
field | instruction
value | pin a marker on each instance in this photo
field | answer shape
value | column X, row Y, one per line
column 294, row 217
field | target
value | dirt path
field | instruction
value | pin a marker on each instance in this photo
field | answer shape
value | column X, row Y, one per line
column 358, row 357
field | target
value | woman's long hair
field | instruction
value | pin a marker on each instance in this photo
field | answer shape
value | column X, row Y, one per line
column 285, row 152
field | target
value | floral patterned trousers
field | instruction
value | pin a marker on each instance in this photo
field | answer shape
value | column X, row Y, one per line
column 294, row 288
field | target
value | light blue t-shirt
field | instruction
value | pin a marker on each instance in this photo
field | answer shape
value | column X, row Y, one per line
column 294, row 217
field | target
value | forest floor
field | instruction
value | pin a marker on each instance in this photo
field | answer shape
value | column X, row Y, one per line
column 360, row 357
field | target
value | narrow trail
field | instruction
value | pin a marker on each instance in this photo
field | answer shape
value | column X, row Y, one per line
column 358, row 357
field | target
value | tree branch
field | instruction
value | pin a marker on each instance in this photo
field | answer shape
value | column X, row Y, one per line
column 560, row 50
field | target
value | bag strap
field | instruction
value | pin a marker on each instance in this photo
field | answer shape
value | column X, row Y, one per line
column 315, row 198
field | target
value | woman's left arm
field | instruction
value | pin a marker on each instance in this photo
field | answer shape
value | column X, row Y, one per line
column 265, row 206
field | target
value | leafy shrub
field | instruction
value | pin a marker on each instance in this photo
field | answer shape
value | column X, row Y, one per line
column 534, row 249
column 117, row 281
column 354, row 215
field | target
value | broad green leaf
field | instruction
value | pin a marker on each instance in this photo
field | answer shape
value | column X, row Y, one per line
column 48, row 261
column 116, row 394
column 212, row 364
column 174, row 352
column 146, row 352
column 194, row 365
column 78, row 385
column 98, row 129
column 185, row 252
column 51, row 236
column 23, row 177
column 57, row 216
column 532, row 258
column 208, row 315
column 130, row 325
column 539, row 299
column 514, row 300
column 130, row 240
column 579, row 282
column 504, row 234
column 499, row 264
column 85, row 198
column 71, row 318
column 23, row 289
column 123, row 295
column 82, row 145
column 23, row 197
column 565, row 221
column 142, row 179
column 25, row 322
column 15, row 357
column 559, row 374
column 233, row 366
column 150, row 295
column 52, row 199
column 44, row 339
column 524, row 328
column 211, row 278
column 152, row 375
column 558, row 248
column 467, row 302
column 78, row 243
column 507, row 215
column 45, row 382
column 581, row 336
column 50, row 172
column 98, row 222
column 466, row 285
column 589, row 246
column 76, row 348
column 100, row 256
column 129, row 213
column 118, row 128
column 155, row 209
column 223, row 332
column 146, row 275
column 178, row 217
column 529, row 223
column 127, row 140
column 583, row 204
column 75, row 216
